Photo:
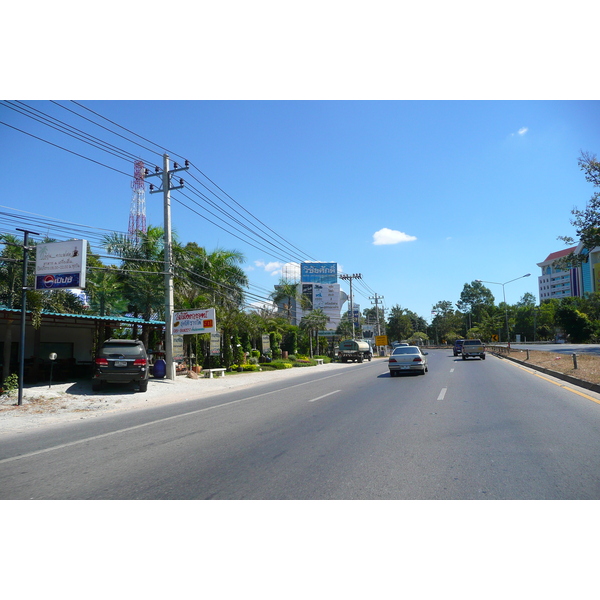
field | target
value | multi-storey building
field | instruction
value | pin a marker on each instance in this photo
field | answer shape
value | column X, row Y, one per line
column 554, row 282
column 577, row 281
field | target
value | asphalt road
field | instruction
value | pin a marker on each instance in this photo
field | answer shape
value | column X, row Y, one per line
column 466, row 430
column 559, row 348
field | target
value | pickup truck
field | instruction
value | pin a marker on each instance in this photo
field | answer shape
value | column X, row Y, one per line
column 473, row 348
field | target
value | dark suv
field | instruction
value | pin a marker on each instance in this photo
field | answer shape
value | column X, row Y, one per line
column 121, row 361
column 458, row 344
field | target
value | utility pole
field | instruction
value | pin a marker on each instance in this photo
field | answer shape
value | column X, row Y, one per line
column 23, row 313
column 377, row 298
column 350, row 278
column 166, row 187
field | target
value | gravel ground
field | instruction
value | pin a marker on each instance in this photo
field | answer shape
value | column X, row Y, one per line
column 45, row 405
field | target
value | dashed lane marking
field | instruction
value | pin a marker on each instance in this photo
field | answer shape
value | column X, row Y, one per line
column 324, row 396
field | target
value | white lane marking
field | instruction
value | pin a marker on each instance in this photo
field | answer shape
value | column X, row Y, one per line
column 451, row 370
column 324, row 396
column 162, row 420
column 442, row 393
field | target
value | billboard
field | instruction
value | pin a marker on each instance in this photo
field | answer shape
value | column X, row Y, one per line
column 326, row 298
column 190, row 322
column 318, row 273
column 60, row 265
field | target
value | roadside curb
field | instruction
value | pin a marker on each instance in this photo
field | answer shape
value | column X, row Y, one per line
column 588, row 385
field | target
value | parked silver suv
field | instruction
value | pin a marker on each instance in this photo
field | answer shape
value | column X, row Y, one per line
column 121, row 361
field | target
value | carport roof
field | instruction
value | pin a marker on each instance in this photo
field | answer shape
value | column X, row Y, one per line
column 107, row 319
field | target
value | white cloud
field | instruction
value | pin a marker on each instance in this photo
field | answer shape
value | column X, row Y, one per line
column 288, row 271
column 521, row 131
column 386, row 237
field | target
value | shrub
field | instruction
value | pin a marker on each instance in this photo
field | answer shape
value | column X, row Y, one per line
column 279, row 364
column 11, row 383
column 304, row 362
column 326, row 359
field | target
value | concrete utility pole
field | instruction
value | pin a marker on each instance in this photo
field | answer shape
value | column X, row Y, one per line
column 166, row 187
column 351, row 311
column 377, row 298
column 23, row 313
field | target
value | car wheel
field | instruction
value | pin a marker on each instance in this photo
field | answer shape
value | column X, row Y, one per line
column 97, row 386
column 144, row 386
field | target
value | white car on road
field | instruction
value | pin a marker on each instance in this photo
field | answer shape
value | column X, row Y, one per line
column 406, row 359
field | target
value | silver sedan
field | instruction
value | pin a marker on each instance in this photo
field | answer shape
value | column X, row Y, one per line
column 407, row 359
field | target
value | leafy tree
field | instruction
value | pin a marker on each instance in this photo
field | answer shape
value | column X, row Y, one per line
column 399, row 325
column 474, row 298
column 446, row 321
column 576, row 324
column 586, row 221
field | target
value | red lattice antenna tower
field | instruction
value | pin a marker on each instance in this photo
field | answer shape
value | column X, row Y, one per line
column 137, row 212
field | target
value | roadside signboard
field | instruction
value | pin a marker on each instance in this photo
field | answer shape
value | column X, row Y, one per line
column 381, row 340
column 190, row 322
column 178, row 347
column 266, row 343
column 215, row 344
column 60, row 265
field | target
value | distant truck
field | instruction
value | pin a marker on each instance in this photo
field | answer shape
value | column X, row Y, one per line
column 473, row 348
column 354, row 350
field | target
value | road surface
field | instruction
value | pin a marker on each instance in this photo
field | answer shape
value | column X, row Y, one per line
column 466, row 430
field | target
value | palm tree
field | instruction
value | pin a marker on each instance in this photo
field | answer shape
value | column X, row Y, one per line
column 314, row 322
column 142, row 276
column 286, row 290
column 213, row 279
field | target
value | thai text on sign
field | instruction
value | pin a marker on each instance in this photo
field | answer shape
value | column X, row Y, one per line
column 190, row 322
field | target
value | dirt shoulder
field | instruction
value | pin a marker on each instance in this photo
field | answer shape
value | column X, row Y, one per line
column 588, row 366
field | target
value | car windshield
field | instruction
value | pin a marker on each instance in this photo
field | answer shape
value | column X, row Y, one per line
column 406, row 350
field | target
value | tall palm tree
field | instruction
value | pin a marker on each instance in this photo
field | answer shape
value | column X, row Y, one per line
column 286, row 291
column 142, row 275
column 314, row 322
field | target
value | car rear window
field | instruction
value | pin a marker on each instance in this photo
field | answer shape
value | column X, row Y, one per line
column 405, row 350
column 122, row 349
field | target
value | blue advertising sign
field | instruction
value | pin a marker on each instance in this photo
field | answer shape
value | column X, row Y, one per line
column 57, row 281
column 318, row 273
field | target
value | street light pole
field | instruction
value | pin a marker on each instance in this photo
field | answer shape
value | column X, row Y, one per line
column 504, row 297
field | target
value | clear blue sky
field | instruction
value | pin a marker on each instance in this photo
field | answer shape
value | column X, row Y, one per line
column 420, row 197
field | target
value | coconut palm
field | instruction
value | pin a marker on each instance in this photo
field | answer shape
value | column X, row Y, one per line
column 314, row 322
column 285, row 293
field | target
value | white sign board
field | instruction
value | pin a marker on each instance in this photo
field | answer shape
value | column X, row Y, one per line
column 215, row 344
column 60, row 265
column 190, row 322
column 178, row 347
